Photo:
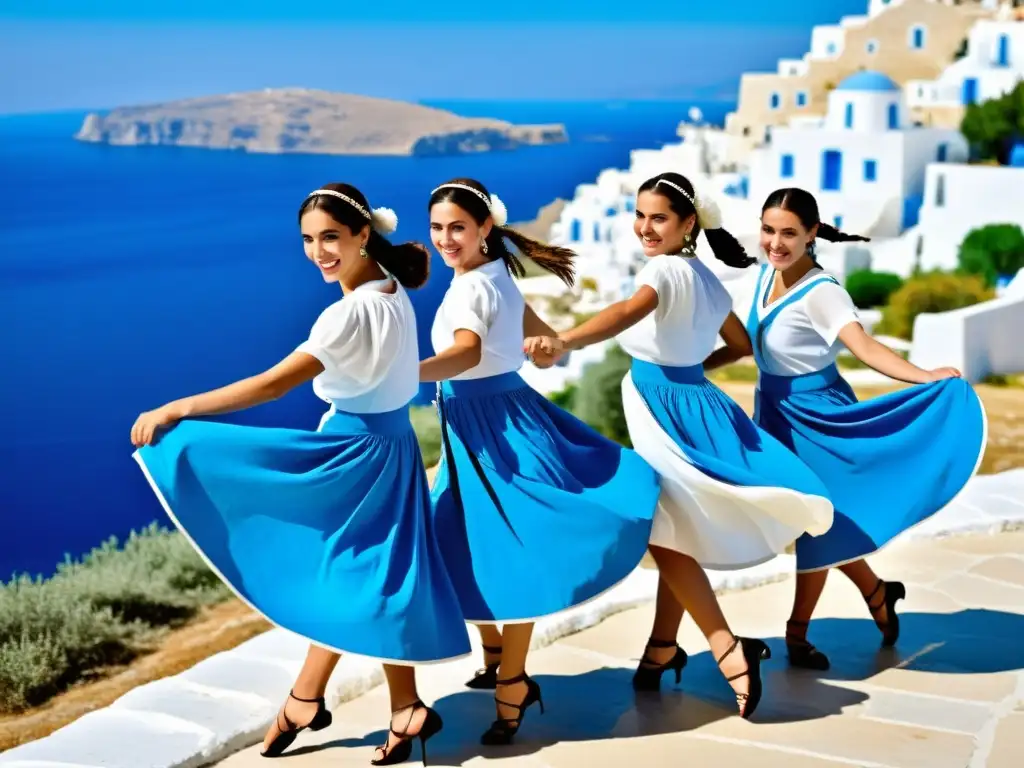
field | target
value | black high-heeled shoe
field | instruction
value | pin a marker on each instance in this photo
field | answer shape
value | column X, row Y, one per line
column 321, row 720
column 504, row 729
column 891, row 592
column 648, row 678
column 754, row 651
column 485, row 679
column 803, row 654
column 399, row 753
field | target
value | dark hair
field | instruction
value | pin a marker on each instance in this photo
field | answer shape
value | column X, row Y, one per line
column 802, row 204
column 408, row 262
column 727, row 249
column 556, row 260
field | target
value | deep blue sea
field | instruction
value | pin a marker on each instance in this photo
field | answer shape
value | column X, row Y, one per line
column 133, row 276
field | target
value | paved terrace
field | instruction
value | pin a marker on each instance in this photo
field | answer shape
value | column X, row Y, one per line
column 950, row 696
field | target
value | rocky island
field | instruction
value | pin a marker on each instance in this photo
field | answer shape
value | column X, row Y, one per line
column 299, row 120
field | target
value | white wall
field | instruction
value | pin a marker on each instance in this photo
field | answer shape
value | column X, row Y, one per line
column 870, row 110
column 860, row 203
column 793, row 67
column 923, row 150
column 827, row 41
column 971, row 196
column 979, row 340
column 895, row 254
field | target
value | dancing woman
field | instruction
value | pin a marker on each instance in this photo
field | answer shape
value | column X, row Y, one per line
column 884, row 462
column 326, row 533
column 535, row 511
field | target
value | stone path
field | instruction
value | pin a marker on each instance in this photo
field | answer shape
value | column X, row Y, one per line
column 950, row 696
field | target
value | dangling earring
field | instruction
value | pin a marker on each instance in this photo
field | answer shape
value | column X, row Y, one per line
column 811, row 250
column 483, row 247
column 688, row 249
column 362, row 252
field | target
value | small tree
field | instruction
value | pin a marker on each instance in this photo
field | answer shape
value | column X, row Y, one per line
column 598, row 396
column 930, row 292
column 992, row 251
column 871, row 289
column 994, row 126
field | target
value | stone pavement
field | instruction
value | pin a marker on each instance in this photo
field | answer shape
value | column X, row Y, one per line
column 950, row 696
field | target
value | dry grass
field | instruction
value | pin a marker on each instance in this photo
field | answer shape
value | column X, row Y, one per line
column 216, row 629
column 1003, row 405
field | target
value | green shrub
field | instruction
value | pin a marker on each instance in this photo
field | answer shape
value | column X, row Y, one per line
column 598, row 396
column 930, row 292
column 992, row 126
column 428, row 432
column 566, row 399
column 101, row 611
column 871, row 289
column 992, row 251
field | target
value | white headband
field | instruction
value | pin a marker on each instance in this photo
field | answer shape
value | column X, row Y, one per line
column 383, row 220
column 708, row 214
column 497, row 208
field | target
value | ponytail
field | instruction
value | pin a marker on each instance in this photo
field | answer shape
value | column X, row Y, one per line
column 554, row 259
column 472, row 196
column 684, row 201
column 831, row 234
column 728, row 249
column 409, row 263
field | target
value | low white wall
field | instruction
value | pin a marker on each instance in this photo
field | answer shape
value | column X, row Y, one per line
column 981, row 340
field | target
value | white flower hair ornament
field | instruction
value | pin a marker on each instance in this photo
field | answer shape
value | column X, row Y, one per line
column 384, row 221
column 709, row 215
column 499, row 213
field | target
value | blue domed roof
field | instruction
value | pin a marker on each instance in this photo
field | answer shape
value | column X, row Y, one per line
column 868, row 80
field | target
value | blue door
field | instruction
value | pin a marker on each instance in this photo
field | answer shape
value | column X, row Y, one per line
column 1003, row 57
column 894, row 117
column 831, row 170
column 942, row 153
column 911, row 211
column 575, row 235
column 969, row 94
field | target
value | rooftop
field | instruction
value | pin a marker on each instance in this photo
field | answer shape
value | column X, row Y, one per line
column 868, row 80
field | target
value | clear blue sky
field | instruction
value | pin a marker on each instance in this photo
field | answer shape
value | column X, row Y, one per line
column 70, row 54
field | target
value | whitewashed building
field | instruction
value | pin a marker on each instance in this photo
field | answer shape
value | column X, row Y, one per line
column 992, row 66
column 959, row 198
column 864, row 161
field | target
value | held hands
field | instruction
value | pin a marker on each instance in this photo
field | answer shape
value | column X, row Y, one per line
column 145, row 428
column 544, row 351
column 939, row 374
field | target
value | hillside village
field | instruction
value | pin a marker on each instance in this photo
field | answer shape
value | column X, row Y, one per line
column 886, row 120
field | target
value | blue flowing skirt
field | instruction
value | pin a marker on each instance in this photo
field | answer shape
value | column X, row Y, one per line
column 732, row 495
column 889, row 463
column 535, row 511
column 328, row 534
